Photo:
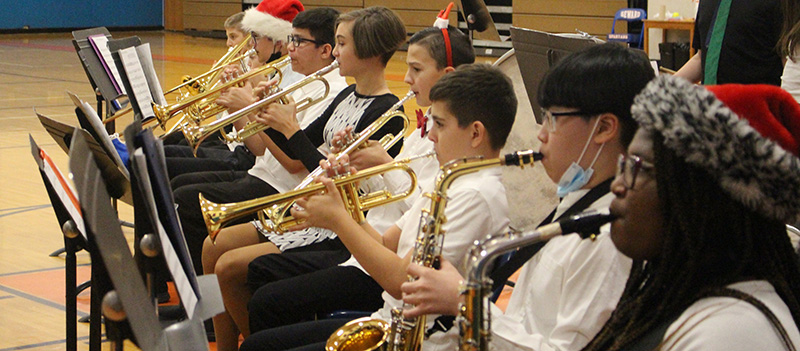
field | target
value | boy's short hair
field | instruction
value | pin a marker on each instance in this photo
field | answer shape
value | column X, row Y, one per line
column 600, row 79
column 235, row 21
column 479, row 92
column 432, row 38
column 320, row 22
column 377, row 31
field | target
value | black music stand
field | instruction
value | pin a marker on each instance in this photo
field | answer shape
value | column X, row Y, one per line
column 538, row 51
column 119, row 184
column 74, row 241
column 129, row 303
column 101, row 82
column 118, row 44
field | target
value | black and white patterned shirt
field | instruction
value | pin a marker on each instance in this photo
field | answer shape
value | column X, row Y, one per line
column 347, row 109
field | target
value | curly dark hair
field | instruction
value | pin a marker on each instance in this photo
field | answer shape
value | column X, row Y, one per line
column 701, row 255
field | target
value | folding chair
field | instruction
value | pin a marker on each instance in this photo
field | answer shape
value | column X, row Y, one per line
column 628, row 15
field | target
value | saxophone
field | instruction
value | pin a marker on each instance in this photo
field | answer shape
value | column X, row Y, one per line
column 407, row 334
column 474, row 319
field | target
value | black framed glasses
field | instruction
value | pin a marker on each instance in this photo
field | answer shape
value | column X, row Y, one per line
column 297, row 40
column 628, row 168
column 550, row 117
column 256, row 37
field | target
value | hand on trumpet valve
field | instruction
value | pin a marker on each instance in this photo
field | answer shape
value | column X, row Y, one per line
column 280, row 117
column 323, row 210
column 341, row 139
column 435, row 291
column 236, row 98
column 336, row 168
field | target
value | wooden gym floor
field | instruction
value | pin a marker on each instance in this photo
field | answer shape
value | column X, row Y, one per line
column 36, row 71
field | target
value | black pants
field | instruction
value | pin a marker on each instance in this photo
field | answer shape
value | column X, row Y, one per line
column 304, row 297
column 180, row 160
column 218, row 187
column 307, row 336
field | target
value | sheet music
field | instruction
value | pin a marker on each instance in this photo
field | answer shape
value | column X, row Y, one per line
column 146, row 59
column 99, row 128
column 141, row 91
column 64, row 191
column 99, row 44
column 188, row 296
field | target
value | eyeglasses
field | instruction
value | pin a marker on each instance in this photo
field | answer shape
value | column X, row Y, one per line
column 256, row 37
column 297, row 40
column 550, row 117
column 628, row 168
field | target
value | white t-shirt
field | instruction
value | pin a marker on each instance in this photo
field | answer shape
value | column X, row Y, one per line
column 565, row 293
column 476, row 207
column 730, row 324
column 790, row 80
column 267, row 168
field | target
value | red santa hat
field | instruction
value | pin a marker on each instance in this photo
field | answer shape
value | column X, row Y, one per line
column 272, row 18
column 770, row 110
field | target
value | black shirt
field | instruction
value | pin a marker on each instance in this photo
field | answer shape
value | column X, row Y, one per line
column 748, row 54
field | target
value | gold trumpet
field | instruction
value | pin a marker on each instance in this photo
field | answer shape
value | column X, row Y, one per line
column 269, row 207
column 277, row 215
column 196, row 134
column 206, row 80
column 203, row 104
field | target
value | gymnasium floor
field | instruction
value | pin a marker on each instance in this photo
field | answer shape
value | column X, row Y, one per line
column 36, row 71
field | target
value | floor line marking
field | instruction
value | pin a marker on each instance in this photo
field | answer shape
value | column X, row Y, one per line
column 39, row 300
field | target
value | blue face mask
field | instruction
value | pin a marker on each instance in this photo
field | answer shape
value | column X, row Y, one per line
column 575, row 177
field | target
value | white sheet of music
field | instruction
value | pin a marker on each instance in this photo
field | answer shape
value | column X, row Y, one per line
column 64, row 191
column 99, row 128
column 100, row 43
column 188, row 296
column 146, row 59
column 135, row 72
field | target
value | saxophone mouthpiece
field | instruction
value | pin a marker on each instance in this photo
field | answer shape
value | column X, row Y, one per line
column 522, row 158
column 586, row 223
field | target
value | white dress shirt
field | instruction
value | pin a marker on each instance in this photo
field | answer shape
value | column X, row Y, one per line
column 730, row 324
column 476, row 207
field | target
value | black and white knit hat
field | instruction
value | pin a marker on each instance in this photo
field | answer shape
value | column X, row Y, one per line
column 699, row 128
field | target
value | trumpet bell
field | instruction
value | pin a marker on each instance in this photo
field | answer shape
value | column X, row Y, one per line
column 363, row 334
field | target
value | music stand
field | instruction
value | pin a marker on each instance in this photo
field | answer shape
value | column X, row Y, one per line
column 119, row 184
column 74, row 241
column 538, row 51
column 101, row 83
column 129, row 301
column 118, row 44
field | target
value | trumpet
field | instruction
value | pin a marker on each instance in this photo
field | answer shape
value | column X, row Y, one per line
column 216, row 215
column 474, row 320
column 206, row 80
column 387, row 141
column 407, row 334
column 203, row 104
column 196, row 134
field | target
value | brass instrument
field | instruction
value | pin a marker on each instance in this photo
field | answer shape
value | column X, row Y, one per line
column 406, row 334
column 474, row 319
column 216, row 215
column 277, row 216
column 206, row 80
column 203, row 105
column 196, row 134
